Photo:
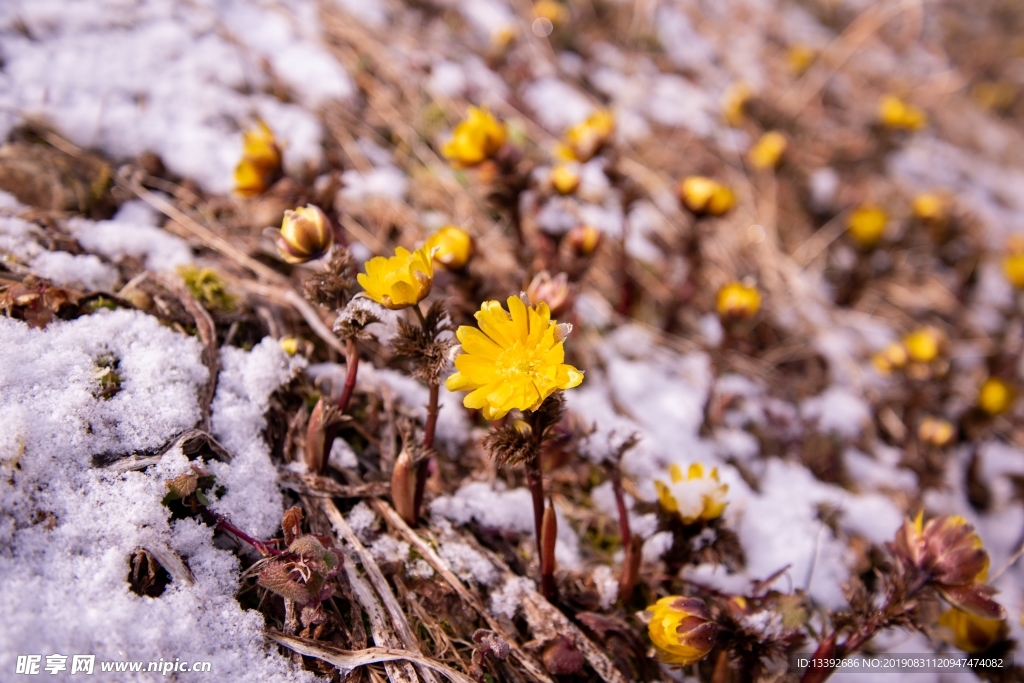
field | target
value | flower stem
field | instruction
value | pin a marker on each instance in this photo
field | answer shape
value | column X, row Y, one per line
column 352, row 361
column 433, row 408
column 535, row 480
column 620, row 503
column 221, row 522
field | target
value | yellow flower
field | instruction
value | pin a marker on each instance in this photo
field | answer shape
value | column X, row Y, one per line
column 452, row 247
column 768, row 150
column 706, row 196
column 550, row 10
column 565, row 179
column 892, row 357
column 995, row 396
column 895, row 113
column 737, row 300
column 969, row 632
column 799, row 57
column 923, row 344
column 584, row 239
column 734, row 101
column 513, row 361
column 289, row 345
column 936, row 431
column 1013, row 268
column 587, row 137
column 681, row 630
column 866, row 225
column 305, row 234
column 475, row 139
column 930, row 208
column 695, row 497
column 400, row 281
column 260, row 163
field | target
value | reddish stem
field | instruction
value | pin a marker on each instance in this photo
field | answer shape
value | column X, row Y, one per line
column 221, row 522
column 620, row 503
column 428, row 443
column 352, row 361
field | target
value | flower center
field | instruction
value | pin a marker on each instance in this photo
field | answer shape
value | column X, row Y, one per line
column 516, row 361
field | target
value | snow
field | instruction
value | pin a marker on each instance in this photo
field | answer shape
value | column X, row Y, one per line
column 69, row 527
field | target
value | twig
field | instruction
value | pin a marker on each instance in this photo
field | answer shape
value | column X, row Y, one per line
column 208, row 334
column 346, row 660
column 325, row 487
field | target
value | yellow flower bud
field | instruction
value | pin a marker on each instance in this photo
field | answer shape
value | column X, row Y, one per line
column 260, row 163
column 305, row 234
column 697, row 497
column 289, row 345
column 895, row 113
column 737, row 300
column 704, row 196
column 892, row 357
column 452, row 247
column 799, row 58
column 1013, row 268
column 401, row 281
column 932, row 209
column 587, row 137
column 923, row 344
column 994, row 95
column 734, row 101
column 584, row 239
column 477, row 138
column 969, row 632
column 936, row 431
column 866, row 225
column 768, row 150
column 554, row 291
column 565, row 179
column 681, row 630
column 995, row 396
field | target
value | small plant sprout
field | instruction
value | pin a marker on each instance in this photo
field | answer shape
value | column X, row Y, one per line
column 681, row 629
column 306, row 234
column 698, row 496
column 452, row 247
column 768, row 150
column 565, row 178
column 208, row 288
column 260, row 165
column 892, row 357
column 931, row 208
column 584, row 240
column 555, row 291
column 995, row 396
column 475, row 139
column 738, row 301
column 866, row 225
column 705, row 196
column 515, row 361
column 894, row 113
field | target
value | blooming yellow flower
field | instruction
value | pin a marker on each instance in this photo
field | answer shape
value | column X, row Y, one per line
column 923, row 344
column 695, row 497
column 706, row 196
column 895, row 113
column 866, row 225
column 734, row 101
column 476, row 138
column 681, row 630
column 737, row 300
column 400, row 281
column 513, row 361
column 586, row 138
column 452, row 247
column 970, row 632
column 565, row 179
column 768, row 150
column 1013, row 268
column 260, row 163
column 995, row 396
column 305, row 235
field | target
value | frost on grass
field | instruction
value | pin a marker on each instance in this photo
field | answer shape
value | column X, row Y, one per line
column 68, row 527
